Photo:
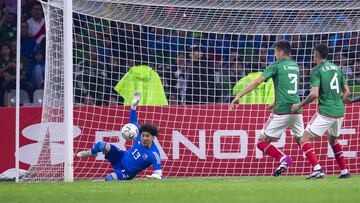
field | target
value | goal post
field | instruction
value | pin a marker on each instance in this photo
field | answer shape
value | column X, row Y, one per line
column 195, row 55
column 68, row 91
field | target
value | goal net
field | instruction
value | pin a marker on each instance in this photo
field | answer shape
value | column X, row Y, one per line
column 189, row 58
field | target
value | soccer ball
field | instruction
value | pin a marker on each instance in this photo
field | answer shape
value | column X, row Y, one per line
column 129, row 131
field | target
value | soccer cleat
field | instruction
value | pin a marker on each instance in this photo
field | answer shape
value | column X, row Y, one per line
column 136, row 99
column 347, row 175
column 318, row 174
column 85, row 154
column 283, row 165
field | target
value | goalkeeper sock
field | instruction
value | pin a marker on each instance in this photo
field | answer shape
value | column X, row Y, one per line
column 270, row 150
column 98, row 147
column 339, row 155
column 310, row 155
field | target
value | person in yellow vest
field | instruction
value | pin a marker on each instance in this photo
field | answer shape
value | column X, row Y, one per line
column 263, row 94
column 144, row 79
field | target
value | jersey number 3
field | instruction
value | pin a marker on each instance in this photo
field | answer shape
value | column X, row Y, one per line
column 294, row 80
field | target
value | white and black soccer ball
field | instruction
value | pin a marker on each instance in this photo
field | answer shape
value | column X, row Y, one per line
column 129, row 131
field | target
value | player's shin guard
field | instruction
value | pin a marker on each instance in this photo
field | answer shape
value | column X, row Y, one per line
column 310, row 154
column 339, row 155
column 98, row 147
column 270, row 150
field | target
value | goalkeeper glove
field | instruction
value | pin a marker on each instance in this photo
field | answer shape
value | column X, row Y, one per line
column 154, row 176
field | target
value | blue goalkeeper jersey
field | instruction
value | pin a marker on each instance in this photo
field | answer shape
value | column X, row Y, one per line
column 139, row 157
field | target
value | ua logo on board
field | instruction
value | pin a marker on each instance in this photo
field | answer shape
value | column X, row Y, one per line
column 30, row 153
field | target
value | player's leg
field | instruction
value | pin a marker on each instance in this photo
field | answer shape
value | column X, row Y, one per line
column 93, row 152
column 272, row 131
column 111, row 177
column 118, row 174
column 333, row 135
column 296, row 124
column 306, row 146
column 316, row 128
column 297, row 127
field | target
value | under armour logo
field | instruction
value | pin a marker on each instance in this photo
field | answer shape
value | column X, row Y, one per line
column 53, row 133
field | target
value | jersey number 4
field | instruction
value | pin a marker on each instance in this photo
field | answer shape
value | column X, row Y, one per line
column 294, row 81
column 334, row 84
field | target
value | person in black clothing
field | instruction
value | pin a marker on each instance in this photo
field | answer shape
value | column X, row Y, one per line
column 201, row 88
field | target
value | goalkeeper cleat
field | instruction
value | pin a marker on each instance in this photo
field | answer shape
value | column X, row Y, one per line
column 85, row 154
column 318, row 174
column 347, row 175
column 136, row 99
column 283, row 165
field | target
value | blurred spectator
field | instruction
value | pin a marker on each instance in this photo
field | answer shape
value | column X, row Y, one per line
column 90, row 80
column 8, row 74
column 6, row 65
column 222, row 82
column 201, row 88
column 173, row 99
column 237, row 71
column 181, row 78
column 7, row 26
column 345, row 64
column 354, row 43
column 28, row 44
column 337, row 58
column 36, row 72
column 11, row 4
column 12, row 46
column 88, row 100
column 354, row 83
column 112, row 101
column 164, row 72
column 263, row 58
column 37, row 24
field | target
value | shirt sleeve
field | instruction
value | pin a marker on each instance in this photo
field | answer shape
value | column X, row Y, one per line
column 156, row 162
column 269, row 72
column 133, row 117
column 315, row 79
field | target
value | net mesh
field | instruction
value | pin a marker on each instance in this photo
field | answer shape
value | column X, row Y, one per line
column 202, row 53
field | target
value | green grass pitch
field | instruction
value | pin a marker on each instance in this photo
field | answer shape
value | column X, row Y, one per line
column 219, row 190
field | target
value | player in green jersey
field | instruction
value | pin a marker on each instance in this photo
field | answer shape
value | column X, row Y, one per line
column 286, row 76
column 329, row 86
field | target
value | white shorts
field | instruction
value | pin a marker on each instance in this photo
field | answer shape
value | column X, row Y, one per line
column 277, row 124
column 320, row 124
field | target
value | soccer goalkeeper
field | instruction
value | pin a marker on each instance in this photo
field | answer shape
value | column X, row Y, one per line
column 142, row 154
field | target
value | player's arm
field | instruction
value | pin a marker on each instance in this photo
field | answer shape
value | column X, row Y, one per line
column 314, row 94
column 156, row 163
column 251, row 86
column 135, row 101
column 356, row 99
column 346, row 93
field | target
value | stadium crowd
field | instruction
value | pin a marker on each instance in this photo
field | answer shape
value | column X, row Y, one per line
column 32, row 48
column 195, row 67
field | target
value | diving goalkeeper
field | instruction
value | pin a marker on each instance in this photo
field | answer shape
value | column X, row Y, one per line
column 142, row 154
